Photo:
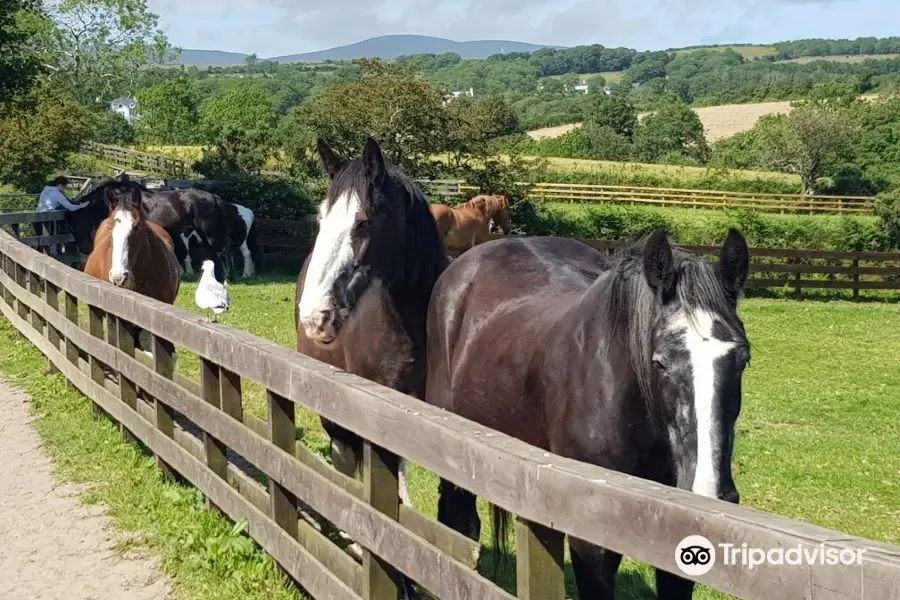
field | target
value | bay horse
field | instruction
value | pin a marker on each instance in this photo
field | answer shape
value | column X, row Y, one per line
column 241, row 238
column 362, row 293
column 632, row 362
column 132, row 252
column 469, row 223
column 176, row 211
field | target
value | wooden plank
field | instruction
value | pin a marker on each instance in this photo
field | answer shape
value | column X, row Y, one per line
column 230, row 394
column 213, row 449
column 95, row 327
column 540, row 562
column 44, row 241
column 32, row 217
column 163, row 364
column 282, row 433
column 300, row 564
column 380, row 491
column 51, row 294
column 519, row 478
column 35, row 286
column 128, row 394
column 72, row 317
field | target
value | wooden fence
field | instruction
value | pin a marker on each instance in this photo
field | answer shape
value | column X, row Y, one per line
column 143, row 162
column 288, row 243
column 54, row 238
column 551, row 496
column 559, row 192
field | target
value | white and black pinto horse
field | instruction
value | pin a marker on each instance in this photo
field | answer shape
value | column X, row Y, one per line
column 241, row 237
column 177, row 211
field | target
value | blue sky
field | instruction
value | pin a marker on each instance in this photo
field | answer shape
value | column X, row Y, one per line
column 275, row 27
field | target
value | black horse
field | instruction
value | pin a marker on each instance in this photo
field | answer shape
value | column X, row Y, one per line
column 176, row 211
column 632, row 363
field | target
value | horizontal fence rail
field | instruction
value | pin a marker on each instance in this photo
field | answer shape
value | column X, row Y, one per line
column 551, row 496
column 54, row 237
column 557, row 192
column 288, row 243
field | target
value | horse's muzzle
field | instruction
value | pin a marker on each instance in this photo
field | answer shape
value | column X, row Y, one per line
column 122, row 280
column 321, row 326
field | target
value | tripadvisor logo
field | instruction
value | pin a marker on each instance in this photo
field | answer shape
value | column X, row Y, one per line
column 695, row 555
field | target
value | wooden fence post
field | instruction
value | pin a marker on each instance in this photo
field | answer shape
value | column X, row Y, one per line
column 854, row 272
column 164, row 364
column 210, row 389
column 51, row 297
column 540, row 562
column 35, row 284
column 21, row 275
column 230, row 394
column 95, row 326
column 283, row 433
column 381, row 491
column 72, row 316
column 125, row 338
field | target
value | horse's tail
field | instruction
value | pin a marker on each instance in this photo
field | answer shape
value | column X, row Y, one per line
column 500, row 521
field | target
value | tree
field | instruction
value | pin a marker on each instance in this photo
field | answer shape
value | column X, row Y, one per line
column 235, row 152
column 36, row 135
column 98, row 47
column 19, row 64
column 614, row 111
column 476, row 121
column 110, row 127
column 673, row 132
column 403, row 111
column 810, row 141
column 242, row 107
column 168, row 113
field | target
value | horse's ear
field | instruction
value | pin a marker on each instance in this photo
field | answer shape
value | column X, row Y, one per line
column 734, row 263
column 373, row 159
column 659, row 264
column 331, row 161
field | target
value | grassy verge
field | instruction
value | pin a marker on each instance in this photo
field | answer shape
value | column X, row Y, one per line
column 205, row 554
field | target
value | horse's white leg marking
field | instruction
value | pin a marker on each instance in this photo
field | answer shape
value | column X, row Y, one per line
column 404, row 487
column 188, row 268
column 704, row 350
column 247, row 216
column 124, row 224
column 331, row 253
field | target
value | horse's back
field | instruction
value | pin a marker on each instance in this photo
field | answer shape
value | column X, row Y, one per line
column 487, row 318
column 443, row 217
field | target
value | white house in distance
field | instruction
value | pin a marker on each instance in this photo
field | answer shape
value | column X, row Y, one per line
column 450, row 96
column 125, row 107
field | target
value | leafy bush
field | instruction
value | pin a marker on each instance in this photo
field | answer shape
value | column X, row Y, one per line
column 110, row 127
column 887, row 208
column 702, row 227
column 37, row 132
column 268, row 198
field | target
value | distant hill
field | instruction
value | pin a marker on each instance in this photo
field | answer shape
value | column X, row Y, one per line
column 386, row 46
column 191, row 56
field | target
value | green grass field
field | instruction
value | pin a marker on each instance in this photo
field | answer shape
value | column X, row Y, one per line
column 748, row 52
column 817, row 439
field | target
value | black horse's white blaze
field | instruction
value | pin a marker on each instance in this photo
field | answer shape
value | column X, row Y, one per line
column 332, row 253
column 704, row 350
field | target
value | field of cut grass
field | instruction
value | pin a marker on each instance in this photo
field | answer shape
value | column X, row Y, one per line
column 817, row 439
column 858, row 58
column 748, row 52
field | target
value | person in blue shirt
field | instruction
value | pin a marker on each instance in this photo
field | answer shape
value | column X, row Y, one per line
column 52, row 198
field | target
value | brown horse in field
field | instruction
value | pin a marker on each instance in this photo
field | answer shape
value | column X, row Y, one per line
column 469, row 224
column 633, row 363
column 131, row 252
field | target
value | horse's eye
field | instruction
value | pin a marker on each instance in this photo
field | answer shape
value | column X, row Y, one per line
column 660, row 363
column 362, row 227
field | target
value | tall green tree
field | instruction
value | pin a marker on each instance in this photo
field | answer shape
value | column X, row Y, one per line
column 37, row 133
column 475, row 121
column 615, row 111
column 811, row 141
column 96, row 48
column 403, row 111
column 243, row 107
column 19, row 64
column 168, row 113
column 672, row 133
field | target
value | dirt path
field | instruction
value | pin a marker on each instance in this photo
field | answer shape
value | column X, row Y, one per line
column 52, row 547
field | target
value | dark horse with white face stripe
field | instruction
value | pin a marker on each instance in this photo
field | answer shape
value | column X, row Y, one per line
column 633, row 363
column 363, row 292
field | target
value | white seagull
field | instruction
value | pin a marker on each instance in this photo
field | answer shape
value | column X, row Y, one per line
column 210, row 294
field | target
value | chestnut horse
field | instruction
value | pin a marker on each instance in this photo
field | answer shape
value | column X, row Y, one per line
column 131, row 252
column 469, row 223
column 363, row 292
column 632, row 363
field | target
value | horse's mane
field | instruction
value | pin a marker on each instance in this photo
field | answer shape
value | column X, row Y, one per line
column 424, row 254
column 634, row 307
